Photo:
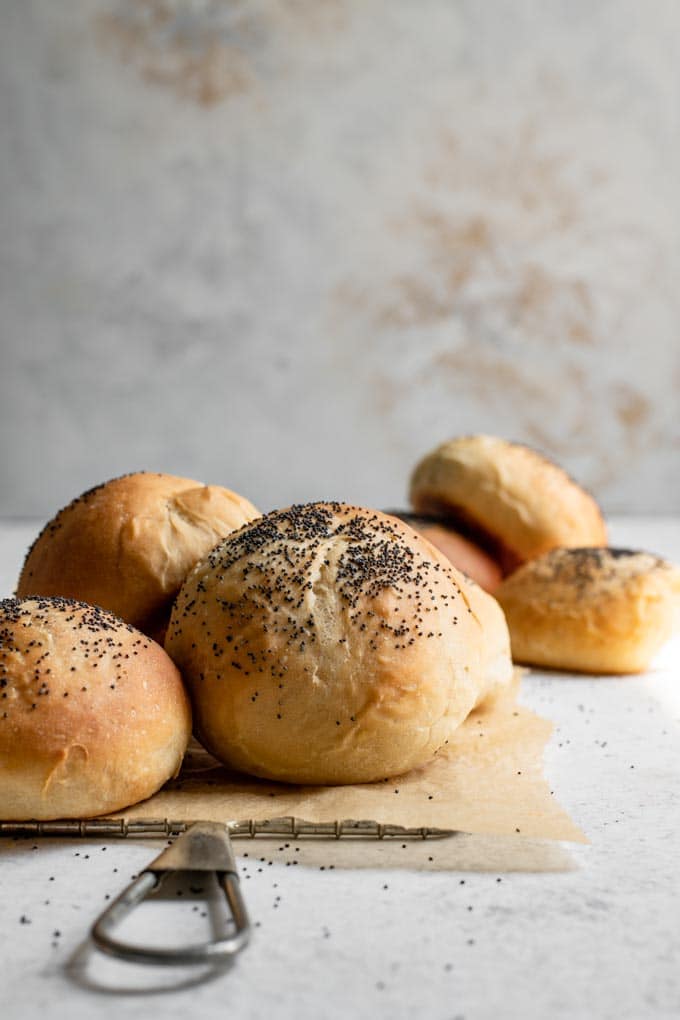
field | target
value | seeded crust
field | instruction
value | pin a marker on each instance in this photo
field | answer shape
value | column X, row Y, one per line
column 128, row 544
column 591, row 610
column 461, row 551
column 512, row 501
column 332, row 644
column 93, row 715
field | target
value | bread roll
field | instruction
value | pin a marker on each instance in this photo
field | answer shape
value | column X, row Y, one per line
column 462, row 552
column 515, row 503
column 93, row 715
column 331, row 644
column 496, row 657
column 127, row 545
column 591, row 610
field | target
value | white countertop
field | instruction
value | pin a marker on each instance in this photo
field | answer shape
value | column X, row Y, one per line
column 599, row 941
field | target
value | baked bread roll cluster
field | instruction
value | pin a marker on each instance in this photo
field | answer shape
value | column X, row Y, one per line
column 320, row 644
column 571, row 603
column 93, row 714
column 331, row 644
column 127, row 545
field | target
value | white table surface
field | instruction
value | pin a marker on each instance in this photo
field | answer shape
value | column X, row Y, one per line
column 599, row 941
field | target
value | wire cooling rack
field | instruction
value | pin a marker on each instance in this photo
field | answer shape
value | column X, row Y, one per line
column 294, row 828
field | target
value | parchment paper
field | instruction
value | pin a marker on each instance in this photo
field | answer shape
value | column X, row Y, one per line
column 488, row 782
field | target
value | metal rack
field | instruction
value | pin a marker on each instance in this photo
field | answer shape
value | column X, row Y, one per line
column 294, row 828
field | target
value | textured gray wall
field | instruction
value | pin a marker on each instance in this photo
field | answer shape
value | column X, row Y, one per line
column 289, row 245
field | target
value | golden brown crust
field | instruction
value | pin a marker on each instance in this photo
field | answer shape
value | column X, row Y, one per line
column 591, row 610
column 93, row 715
column 496, row 658
column 522, row 503
column 128, row 544
column 331, row 644
column 462, row 552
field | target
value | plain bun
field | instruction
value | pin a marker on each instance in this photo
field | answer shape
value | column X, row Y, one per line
column 330, row 644
column 128, row 544
column 591, row 610
column 93, row 715
column 513, row 501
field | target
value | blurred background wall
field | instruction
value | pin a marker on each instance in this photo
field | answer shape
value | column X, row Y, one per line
column 290, row 245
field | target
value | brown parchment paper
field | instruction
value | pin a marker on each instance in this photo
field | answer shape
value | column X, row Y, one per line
column 487, row 782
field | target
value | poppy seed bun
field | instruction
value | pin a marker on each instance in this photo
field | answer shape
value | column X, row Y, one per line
column 128, row 544
column 462, row 552
column 591, row 610
column 512, row 500
column 330, row 644
column 93, row 715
